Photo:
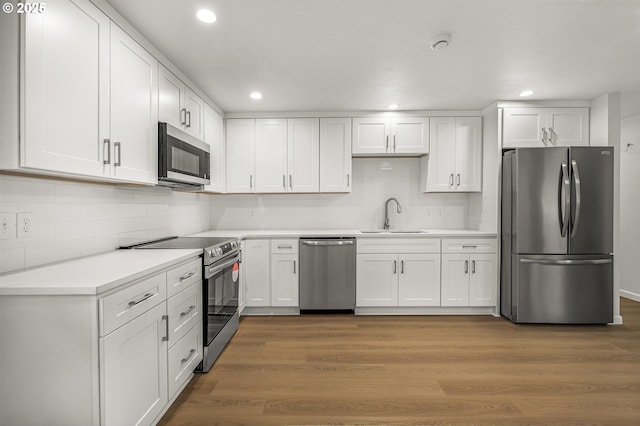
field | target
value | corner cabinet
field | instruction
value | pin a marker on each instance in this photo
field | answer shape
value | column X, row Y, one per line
column 454, row 163
column 80, row 116
column 389, row 136
column 545, row 127
column 214, row 137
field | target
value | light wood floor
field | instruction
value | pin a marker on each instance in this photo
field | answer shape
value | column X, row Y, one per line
column 473, row 370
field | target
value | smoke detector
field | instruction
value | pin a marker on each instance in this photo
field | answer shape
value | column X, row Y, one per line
column 440, row 42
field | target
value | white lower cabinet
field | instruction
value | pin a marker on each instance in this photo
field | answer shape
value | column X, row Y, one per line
column 409, row 275
column 271, row 273
column 469, row 272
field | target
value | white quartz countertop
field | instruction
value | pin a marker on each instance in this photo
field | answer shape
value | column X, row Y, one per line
column 92, row 275
column 295, row 233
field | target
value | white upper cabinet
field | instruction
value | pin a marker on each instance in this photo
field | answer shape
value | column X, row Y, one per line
column 271, row 155
column 214, row 137
column 303, row 149
column 134, row 128
column 66, row 90
column 386, row 136
column 545, row 127
column 455, row 161
column 180, row 106
column 240, row 154
column 335, row 155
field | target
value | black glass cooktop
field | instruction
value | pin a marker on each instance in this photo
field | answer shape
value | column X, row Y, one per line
column 181, row 243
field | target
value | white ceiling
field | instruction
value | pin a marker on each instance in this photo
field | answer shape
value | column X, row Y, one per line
column 334, row 55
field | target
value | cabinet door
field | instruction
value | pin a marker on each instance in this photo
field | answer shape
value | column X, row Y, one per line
column 271, row 155
column 442, row 157
column 303, row 150
column 134, row 110
column 410, row 135
column 455, row 280
column 523, row 127
column 133, row 370
column 335, row 155
column 419, row 282
column 371, row 135
column 255, row 264
column 284, row 279
column 483, row 280
column 468, row 154
column 66, row 59
column 194, row 120
column 239, row 148
column 170, row 98
column 377, row 280
column 214, row 137
column 568, row 126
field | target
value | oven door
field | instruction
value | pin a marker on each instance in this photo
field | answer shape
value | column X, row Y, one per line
column 221, row 294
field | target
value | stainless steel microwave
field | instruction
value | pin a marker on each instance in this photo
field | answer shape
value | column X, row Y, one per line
column 183, row 160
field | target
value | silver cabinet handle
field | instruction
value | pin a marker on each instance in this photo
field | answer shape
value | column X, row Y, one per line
column 348, row 179
column 191, row 308
column 566, row 183
column 250, row 181
column 188, row 357
column 294, row 267
column 183, row 113
column 284, row 246
column 451, row 179
column 567, row 261
column 473, row 266
column 188, row 119
column 402, row 266
column 284, row 182
column 137, row 302
column 118, row 162
column 551, row 135
column 291, row 181
column 327, row 243
column 166, row 337
column 576, row 180
column 107, row 143
column 458, row 180
column 387, row 143
column 469, row 246
column 544, row 135
column 189, row 275
column 466, row 266
column 395, row 266
column 394, row 143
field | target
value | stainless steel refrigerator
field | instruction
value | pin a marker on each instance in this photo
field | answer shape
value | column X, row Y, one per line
column 557, row 235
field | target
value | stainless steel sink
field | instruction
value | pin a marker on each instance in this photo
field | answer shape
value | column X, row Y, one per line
column 393, row 231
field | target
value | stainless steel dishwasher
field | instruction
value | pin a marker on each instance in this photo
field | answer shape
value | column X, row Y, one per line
column 327, row 274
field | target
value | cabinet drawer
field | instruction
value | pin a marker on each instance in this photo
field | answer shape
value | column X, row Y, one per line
column 469, row 245
column 184, row 310
column 184, row 357
column 284, row 246
column 183, row 276
column 127, row 304
column 398, row 245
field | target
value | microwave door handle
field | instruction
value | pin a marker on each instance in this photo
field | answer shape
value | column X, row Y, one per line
column 576, row 179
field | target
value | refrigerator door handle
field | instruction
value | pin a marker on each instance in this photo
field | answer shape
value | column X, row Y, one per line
column 576, row 179
column 566, row 187
column 566, row 261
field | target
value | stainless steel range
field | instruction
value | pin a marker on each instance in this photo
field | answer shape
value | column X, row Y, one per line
column 221, row 272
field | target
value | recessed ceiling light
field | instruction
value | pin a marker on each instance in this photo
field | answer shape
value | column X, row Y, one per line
column 206, row 16
column 393, row 106
column 256, row 95
column 526, row 93
column 440, row 42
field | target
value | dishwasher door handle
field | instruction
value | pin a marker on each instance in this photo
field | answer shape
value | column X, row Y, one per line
column 327, row 242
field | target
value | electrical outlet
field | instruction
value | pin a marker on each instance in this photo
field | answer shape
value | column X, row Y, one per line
column 24, row 225
column 7, row 226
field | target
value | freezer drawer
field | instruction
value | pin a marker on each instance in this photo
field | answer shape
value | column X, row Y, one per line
column 562, row 289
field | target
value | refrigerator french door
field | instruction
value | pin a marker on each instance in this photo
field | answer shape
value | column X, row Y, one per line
column 557, row 235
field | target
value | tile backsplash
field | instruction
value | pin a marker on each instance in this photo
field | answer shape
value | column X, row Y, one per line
column 70, row 219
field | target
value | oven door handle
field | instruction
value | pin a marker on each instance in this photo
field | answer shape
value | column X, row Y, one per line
column 217, row 268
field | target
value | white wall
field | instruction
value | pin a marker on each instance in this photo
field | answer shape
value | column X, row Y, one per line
column 630, row 195
column 374, row 181
column 76, row 219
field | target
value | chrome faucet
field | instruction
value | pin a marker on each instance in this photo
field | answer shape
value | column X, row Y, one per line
column 386, row 211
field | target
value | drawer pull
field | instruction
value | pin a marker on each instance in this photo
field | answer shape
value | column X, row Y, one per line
column 191, row 308
column 469, row 246
column 189, row 275
column 281, row 246
column 189, row 356
column 136, row 302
